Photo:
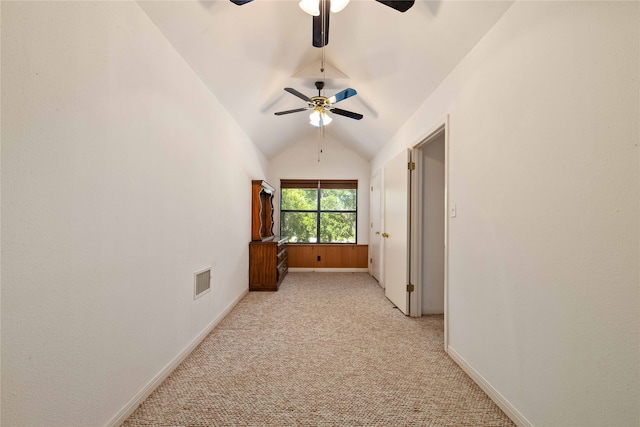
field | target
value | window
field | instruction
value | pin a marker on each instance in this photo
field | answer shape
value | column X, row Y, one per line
column 319, row 211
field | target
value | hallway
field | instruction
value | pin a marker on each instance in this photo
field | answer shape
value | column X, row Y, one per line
column 327, row 349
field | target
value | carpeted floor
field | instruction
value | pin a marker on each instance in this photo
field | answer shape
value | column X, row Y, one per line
column 327, row 349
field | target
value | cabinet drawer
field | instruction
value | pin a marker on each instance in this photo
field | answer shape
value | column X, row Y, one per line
column 268, row 264
column 283, row 267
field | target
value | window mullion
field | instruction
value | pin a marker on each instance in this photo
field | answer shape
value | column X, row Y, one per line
column 318, row 214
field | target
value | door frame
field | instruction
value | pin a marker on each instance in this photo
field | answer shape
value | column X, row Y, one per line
column 377, row 174
column 437, row 130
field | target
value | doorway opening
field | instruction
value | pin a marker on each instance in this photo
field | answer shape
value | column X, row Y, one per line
column 414, row 226
column 429, row 202
column 433, row 218
column 375, row 244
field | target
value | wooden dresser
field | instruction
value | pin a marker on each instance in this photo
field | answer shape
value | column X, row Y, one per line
column 268, row 264
column 268, row 257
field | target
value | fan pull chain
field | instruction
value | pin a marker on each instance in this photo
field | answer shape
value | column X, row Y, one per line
column 324, row 79
column 323, row 5
column 319, row 142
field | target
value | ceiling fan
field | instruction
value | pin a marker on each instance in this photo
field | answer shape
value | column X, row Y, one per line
column 320, row 9
column 321, row 105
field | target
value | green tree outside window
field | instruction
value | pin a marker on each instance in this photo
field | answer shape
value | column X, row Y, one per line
column 319, row 215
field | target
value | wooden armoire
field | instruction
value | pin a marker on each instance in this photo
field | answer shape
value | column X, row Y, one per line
column 268, row 260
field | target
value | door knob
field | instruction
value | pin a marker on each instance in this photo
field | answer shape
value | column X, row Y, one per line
column 385, row 235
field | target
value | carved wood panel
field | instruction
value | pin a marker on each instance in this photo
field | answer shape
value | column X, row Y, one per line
column 261, row 210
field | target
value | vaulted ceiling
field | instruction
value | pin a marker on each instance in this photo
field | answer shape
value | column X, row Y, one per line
column 246, row 55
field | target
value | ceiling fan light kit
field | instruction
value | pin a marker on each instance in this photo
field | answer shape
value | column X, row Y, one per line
column 311, row 7
column 322, row 105
column 338, row 5
column 318, row 119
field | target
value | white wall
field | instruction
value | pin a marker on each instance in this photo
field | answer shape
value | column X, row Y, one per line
column 121, row 176
column 544, row 283
column 433, row 182
column 300, row 161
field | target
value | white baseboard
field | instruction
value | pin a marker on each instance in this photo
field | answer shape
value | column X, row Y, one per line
column 328, row 270
column 493, row 394
column 136, row 400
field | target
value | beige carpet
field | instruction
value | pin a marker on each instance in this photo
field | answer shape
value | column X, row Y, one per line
column 327, row 349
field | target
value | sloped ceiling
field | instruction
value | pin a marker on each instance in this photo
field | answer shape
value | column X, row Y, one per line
column 247, row 54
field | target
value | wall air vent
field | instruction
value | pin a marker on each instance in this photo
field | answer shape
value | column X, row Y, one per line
column 202, row 282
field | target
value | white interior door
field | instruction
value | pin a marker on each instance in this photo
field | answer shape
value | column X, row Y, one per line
column 376, row 227
column 396, row 230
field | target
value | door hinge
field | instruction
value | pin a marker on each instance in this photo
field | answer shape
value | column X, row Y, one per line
column 410, row 287
column 412, row 166
column 372, row 188
column 371, row 260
